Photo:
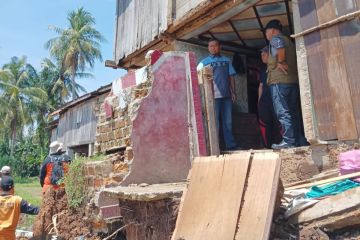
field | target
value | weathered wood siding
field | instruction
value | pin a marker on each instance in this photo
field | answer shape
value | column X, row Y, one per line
column 333, row 60
column 184, row 6
column 139, row 22
column 77, row 125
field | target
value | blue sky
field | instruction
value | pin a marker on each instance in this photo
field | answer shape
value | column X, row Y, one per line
column 24, row 31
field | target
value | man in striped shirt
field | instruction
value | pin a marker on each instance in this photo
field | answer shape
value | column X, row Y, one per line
column 224, row 90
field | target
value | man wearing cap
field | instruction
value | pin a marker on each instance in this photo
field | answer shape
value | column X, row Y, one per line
column 269, row 125
column 57, row 159
column 10, row 208
column 283, row 82
column 224, row 90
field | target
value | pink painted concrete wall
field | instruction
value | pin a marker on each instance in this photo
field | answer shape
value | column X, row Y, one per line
column 160, row 132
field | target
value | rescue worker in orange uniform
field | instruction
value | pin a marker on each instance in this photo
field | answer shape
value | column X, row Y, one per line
column 10, row 208
column 54, row 167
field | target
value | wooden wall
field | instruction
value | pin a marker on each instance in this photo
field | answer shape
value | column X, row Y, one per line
column 184, row 6
column 77, row 125
column 138, row 23
column 333, row 56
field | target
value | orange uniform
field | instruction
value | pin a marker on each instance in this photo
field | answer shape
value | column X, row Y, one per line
column 10, row 208
column 46, row 172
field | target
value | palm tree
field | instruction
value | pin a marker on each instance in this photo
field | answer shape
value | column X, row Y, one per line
column 18, row 96
column 58, row 83
column 78, row 46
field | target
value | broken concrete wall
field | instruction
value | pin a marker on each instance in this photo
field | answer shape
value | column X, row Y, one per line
column 155, row 115
column 167, row 127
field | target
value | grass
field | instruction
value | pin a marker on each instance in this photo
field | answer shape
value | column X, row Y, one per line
column 30, row 190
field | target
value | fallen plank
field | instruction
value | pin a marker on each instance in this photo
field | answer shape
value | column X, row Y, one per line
column 209, row 207
column 334, row 205
column 321, row 182
column 259, row 197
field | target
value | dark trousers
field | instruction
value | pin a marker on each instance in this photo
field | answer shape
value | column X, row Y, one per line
column 223, row 114
column 269, row 125
column 285, row 99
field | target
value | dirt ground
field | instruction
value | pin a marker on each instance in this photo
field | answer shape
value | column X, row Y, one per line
column 68, row 223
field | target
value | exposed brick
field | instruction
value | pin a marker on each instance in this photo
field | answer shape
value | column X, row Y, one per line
column 111, row 136
column 89, row 181
column 90, row 170
column 106, row 167
column 103, row 137
column 127, row 142
column 120, row 123
column 129, row 153
column 118, row 134
column 98, row 183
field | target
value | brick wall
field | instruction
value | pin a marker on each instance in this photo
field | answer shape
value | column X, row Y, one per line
column 113, row 133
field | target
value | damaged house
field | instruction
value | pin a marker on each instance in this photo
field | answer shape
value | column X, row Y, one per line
column 158, row 118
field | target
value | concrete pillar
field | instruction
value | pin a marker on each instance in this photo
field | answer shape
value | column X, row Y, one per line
column 306, row 97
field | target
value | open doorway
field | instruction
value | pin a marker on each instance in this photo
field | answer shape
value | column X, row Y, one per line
column 242, row 36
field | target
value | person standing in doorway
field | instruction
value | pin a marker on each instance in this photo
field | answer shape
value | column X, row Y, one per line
column 269, row 125
column 224, row 90
column 284, row 88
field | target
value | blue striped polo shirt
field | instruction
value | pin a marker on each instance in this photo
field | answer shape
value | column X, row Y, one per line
column 222, row 69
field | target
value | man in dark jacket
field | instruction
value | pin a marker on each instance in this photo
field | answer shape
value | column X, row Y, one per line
column 10, row 208
column 54, row 167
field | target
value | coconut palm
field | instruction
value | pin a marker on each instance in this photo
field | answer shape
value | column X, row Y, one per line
column 58, row 83
column 18, row 97
column 78, row 46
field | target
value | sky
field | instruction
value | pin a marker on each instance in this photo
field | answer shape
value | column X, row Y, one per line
column 24, row 30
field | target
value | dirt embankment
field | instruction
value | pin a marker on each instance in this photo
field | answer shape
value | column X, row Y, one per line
column 56, row 217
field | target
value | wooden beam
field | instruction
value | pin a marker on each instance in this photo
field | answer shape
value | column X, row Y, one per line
column 205, row 76
column 232, row 44
column 212, row 35
column 260, row 23
column 325, row 181
column 193, row 14
column 215, row 16
column 306, row 94
column 291, row 27
column 236, row 49
column 237, row 33
column 337, row 73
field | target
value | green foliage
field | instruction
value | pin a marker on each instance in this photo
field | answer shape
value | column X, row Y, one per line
column 74, row 180
column 26, row 159
column 75, row 183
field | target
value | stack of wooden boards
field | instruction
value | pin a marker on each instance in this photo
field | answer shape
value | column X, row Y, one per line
column 229, row 197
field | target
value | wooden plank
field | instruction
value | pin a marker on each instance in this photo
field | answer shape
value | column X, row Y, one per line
column 337, row 75
column 215, row 16
column 209, row 209
column 325, row 117
column 260, row 196
column 247, row 14
column 350, row 40
column 207, row 79
column 325, row 181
